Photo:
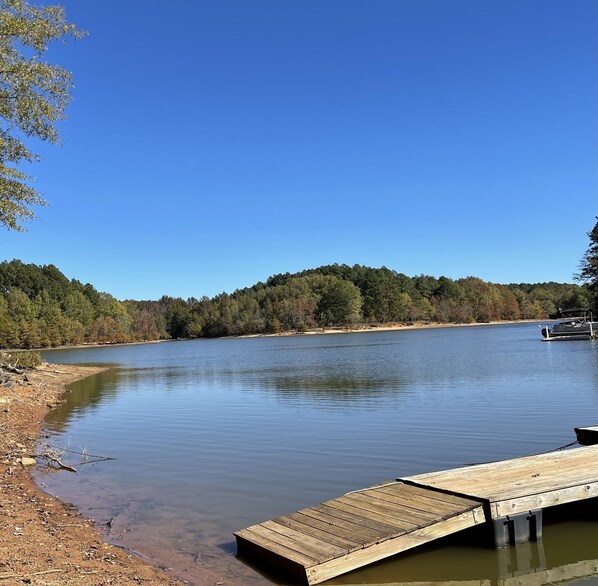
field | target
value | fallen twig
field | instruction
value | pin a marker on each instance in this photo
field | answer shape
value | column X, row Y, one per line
column 95, row 461
column 99, row 458
column 54, row 454
column 59, row 463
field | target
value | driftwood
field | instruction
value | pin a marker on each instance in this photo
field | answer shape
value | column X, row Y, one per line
column 87, row 455
column 11, row 368
column 53, row 454
column 59, row 463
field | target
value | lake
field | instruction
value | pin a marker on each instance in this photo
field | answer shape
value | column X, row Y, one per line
column 211, row 436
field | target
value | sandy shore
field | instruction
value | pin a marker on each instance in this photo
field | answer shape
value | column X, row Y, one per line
column 43, row 541
column 390, row 328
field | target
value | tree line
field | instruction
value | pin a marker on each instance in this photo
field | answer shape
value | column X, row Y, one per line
column 40, row 307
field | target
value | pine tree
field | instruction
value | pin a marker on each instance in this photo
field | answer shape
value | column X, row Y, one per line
column 588, row 266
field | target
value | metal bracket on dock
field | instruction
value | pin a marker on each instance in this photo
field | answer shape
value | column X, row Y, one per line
column 520, row 528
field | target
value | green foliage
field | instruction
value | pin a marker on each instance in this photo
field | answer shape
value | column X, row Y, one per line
column 588, row 272
column 33, row 97
column 40, row 307
column 340, row 303
column 341, row 296
column 21, row 359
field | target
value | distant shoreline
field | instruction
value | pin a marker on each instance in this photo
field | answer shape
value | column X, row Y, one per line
column 388, row 328
column 94, row 345
column 312, row 332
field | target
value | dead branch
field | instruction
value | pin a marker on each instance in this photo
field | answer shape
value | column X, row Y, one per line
column 59, row 463
column 87, row 455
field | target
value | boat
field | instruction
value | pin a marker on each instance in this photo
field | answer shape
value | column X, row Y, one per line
column 575, row 324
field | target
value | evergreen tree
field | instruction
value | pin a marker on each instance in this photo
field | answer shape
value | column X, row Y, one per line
column 588, row 272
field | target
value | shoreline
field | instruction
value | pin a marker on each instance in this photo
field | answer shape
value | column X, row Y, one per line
column 358, row 329
column 43, row 540
column 94, row 345
column 389, row 328
column 43, row 536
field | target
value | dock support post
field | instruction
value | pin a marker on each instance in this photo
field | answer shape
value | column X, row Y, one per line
column 514, row 529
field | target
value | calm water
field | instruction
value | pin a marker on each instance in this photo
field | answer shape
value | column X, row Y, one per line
column 211, row 436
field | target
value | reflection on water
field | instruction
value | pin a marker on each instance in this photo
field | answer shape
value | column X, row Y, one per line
column 213, row 436
column 86, row 396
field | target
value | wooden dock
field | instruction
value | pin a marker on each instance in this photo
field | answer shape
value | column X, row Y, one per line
column 318, row 543
column 517, row 486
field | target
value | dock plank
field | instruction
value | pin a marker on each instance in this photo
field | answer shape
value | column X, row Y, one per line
column 310, row 543
column 311, row 529
column 354, row 517
column 278, row 546
column 347, row 507
column 416, row 492
column 403, row 517
column 377, row 511
column 352, row 533
column 417, row 502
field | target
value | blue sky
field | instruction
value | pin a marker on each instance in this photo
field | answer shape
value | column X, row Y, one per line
column 211, row 144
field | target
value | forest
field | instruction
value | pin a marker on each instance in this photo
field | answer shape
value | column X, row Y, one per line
column 40, row 307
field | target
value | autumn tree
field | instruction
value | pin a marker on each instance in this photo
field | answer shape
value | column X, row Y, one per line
column 33, row 97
